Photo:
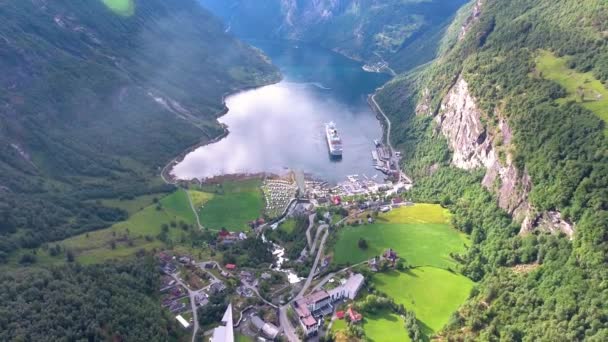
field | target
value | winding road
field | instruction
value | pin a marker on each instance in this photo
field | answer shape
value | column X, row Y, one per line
column 284, row 320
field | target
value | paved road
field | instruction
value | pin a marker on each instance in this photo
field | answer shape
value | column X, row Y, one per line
column 191, row 294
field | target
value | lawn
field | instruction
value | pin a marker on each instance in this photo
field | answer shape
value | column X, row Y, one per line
column 576, row 83
column 233, row 205
column 385, row 326
column 432, row 293
column 199, row 198
column 419, row 244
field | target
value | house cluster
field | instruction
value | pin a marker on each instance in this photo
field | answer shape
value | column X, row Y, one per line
column 352, row 314
column 225, row 237
column 312, row 308
column 389, row 256
column 172, row 298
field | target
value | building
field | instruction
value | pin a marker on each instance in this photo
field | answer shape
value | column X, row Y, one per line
column 230, row 267
column 217, row 287
column 225, row 332
column 311, row 309
column 268, row 329
column 390, row 255
column 354, row 316
column 349, row 289
column 182, row 321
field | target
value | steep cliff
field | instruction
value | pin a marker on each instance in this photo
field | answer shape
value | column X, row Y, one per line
column 475, row 144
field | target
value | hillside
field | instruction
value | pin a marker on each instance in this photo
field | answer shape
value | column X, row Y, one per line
column 95, row 99
column 402, row 33
column 519, row 155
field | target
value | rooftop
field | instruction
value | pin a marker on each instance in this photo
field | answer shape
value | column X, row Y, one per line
column 316, row 297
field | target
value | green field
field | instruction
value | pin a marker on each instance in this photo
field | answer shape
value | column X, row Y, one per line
column 418, row 213
column 199, row 198
column 383, row 326
column 432, row 293
column 128, row 236
column 594, row 94
column 232, row 205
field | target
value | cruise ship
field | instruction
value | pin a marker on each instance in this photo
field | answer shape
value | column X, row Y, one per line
column 334, row 142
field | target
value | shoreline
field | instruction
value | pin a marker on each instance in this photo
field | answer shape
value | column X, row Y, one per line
column 165, row 173
column 168, row 178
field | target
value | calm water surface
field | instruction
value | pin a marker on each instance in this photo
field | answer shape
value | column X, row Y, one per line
column 282, row 126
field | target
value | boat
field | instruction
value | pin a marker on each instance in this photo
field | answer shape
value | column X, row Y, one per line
column 334, row 142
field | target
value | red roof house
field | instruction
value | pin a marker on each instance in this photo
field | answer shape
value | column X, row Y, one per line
column 340, row 314
column 354, row 315
column 337, row 200
column 230, row 266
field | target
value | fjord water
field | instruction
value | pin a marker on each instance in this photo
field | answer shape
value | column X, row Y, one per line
column 282, row 126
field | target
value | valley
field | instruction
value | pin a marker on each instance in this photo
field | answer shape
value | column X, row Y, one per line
column 168, row 171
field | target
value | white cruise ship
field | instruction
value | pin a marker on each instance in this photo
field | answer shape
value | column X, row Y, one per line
column 334, row 142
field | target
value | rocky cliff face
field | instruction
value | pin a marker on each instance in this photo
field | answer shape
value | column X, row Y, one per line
column 477, row 145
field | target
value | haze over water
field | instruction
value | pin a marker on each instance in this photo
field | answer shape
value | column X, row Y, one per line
column 282, row 126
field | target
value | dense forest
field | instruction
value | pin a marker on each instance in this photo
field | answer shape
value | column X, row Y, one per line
column 74, row 303
column 535, row 286
column 93, row 103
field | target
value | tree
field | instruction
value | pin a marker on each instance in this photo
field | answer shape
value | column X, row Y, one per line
column 69, row 256
column 362, row 243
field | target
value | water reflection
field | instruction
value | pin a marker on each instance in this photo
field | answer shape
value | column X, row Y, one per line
column 282, row 126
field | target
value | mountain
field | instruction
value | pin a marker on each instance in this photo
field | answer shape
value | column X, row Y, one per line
column 399, row 32
column 95, row 99
column 507, row 127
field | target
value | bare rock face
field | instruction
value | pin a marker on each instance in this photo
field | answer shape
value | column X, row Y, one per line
column 471, row 20
column 424, row 105
column 550, row 221
column 476, row 145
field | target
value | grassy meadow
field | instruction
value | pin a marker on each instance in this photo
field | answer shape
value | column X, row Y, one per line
column 421, row 234
column 594, row 94
column 379, row 327
column 124, row 239
column 432, row 293
column 231, row 205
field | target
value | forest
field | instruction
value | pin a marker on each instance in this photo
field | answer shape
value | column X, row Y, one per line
column 94, row 104
column 538, row 286
column 71, row 303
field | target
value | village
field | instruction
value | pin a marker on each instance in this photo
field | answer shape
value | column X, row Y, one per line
column 268, row 302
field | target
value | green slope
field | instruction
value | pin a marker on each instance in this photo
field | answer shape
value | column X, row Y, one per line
column 97, row 98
